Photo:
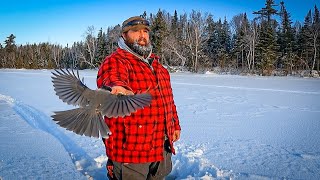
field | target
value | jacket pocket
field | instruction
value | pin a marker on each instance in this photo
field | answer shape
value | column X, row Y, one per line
column 139, row 137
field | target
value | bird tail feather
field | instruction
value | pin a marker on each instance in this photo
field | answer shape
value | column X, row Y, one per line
column 82, row 121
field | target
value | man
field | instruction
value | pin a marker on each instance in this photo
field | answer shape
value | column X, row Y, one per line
column 141, row 144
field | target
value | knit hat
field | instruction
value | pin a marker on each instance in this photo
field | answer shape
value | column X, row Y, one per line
column 135, row 23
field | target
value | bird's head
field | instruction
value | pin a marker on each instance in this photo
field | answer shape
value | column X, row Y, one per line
column 107, row 88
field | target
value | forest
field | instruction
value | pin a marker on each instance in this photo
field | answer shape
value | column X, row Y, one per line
column 270, row 44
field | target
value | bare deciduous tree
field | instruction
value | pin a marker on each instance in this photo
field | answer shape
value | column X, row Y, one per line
column 196, row 37
column 251, row 39
column 315, row 37
column 56, row 54
column 90, row 46
column 171, row 45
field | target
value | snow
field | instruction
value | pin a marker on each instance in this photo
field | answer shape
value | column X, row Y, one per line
column 233, row 127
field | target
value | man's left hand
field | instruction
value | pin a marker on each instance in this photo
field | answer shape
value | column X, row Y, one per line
column 176, row 135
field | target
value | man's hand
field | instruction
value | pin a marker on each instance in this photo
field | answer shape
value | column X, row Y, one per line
column 121, row 90
column 176, row 135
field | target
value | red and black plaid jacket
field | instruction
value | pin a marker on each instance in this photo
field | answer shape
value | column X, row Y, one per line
column 139, row 138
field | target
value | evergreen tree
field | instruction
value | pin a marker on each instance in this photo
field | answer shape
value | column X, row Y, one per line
column 225, row 40
column 10, row 49
column 174, row 24
column 144, row 15
column 102, row 46
column 267, row 12
column 267, row 44
column 306, row 40
column 267, row 49
column 219, row 42
column 285, row 40
column 215, row 43
column 10, row 43
column 226, row 35
column 158, row 32
column 210, row 45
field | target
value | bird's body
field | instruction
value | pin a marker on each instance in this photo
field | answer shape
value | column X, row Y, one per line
column 93, row 105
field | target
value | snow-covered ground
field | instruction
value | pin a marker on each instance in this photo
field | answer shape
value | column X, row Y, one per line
column 233, row 127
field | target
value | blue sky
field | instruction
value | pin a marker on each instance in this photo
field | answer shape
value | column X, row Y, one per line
column 65, row 21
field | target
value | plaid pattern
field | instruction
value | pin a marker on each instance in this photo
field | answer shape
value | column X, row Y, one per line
column 139, row 138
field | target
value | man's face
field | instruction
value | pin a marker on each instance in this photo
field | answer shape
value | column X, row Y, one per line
column 138, row 41
column 140, row 36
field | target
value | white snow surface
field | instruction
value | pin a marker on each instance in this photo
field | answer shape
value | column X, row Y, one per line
column 233, row 127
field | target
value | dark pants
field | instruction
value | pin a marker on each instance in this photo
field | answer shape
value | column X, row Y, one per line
column 142, row 171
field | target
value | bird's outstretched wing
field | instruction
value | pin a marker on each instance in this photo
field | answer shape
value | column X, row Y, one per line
column 124, row 105
column 82, row 121
column 70, row 88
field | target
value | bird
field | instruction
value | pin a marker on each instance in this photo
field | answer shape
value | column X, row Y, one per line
column 88, row 118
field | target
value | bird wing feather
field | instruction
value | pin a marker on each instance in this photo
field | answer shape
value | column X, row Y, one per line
column 82, row 121
column 70, row 89
column 124, row 105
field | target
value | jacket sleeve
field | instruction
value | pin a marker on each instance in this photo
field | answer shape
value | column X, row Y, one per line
column 175, row 117
column 113, row 72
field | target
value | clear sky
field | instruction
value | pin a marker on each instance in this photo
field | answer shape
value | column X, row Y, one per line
column 65, row 21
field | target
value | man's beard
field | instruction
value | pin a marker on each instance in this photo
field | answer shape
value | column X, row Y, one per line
column 137, row 48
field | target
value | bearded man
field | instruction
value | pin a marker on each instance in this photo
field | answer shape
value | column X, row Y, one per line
column 140, row 145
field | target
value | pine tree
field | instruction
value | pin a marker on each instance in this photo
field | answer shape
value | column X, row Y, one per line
column 144, row 15
column 225, row 46
column 10, row 49
column 226, row 35
column 210, row 45
column 267, row 45
column 159, row 31
column 267, row 12
column 10, row 43
column 216, row 43
column 174, row 24
column 285, row 40
column 306, row 42
column 267, row 48
column 102, row 47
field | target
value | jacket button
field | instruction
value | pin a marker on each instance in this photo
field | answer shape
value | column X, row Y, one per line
column 140, row 126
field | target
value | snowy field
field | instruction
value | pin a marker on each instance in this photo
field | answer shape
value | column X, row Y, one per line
column 233, row 127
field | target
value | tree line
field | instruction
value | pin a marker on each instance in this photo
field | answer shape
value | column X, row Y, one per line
column 269, row 44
